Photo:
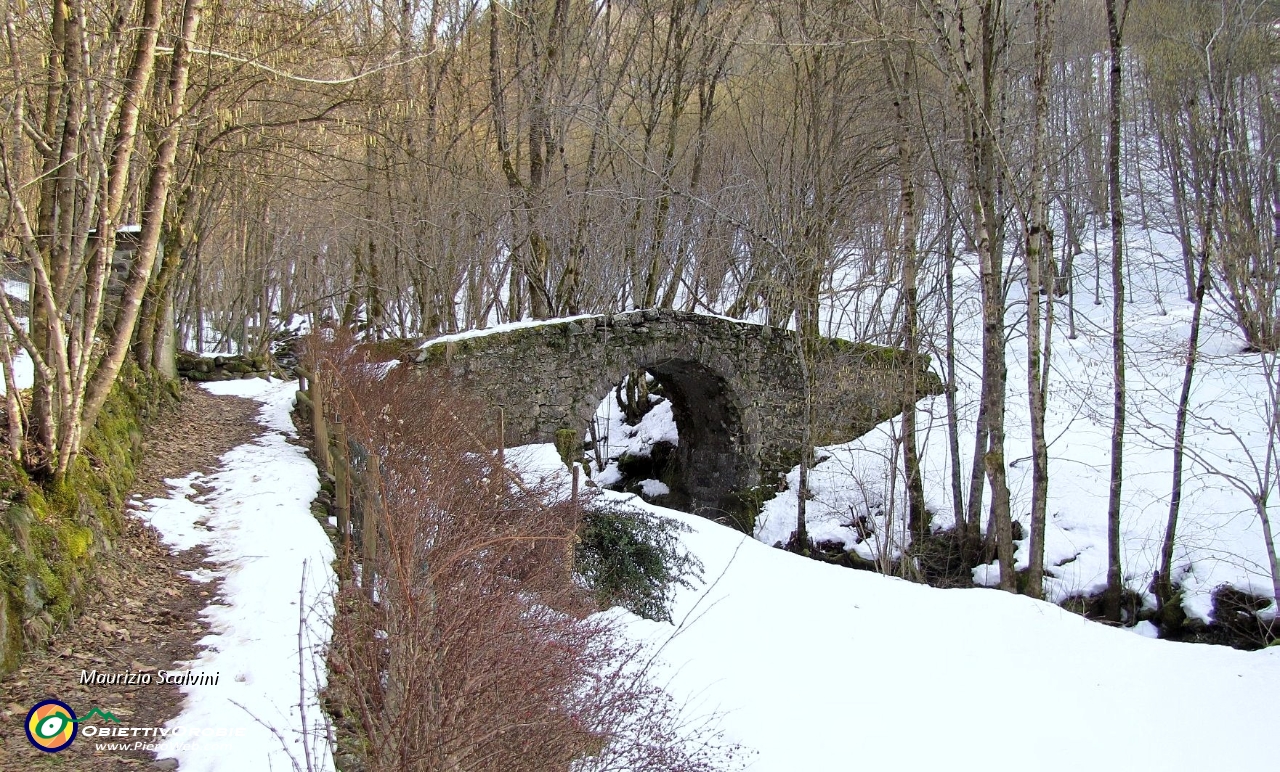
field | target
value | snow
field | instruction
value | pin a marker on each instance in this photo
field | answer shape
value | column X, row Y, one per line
column 814, row 666
column 1145, row 629
column 255, row 521
column 18, row 290
column 24, row 370
column 381, row 370
column 500, row 328
column 618, row 439
column 820, row 667
column 1219, row 534
column 529, row 323
column 651, row 488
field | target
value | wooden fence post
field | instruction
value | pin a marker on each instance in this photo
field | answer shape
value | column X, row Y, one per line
column 342, row 484
column 369, row 526
column 319, row 428
column 502, row 436
column 571, row 544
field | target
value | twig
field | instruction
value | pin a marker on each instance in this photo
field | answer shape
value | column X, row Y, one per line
column 302, row 680
column 284, row 745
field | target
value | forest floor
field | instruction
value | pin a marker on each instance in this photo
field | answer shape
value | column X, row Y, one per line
column 144, row 613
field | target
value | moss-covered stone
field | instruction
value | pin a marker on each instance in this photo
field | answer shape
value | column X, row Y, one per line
column 51, row 534
column 194, row 367
column 873, row 355
column 569, row 446
column 388, row 348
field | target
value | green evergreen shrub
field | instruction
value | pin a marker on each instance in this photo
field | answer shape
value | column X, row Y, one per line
column 633, row 558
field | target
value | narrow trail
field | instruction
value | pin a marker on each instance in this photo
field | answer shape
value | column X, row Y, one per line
column 143, row 616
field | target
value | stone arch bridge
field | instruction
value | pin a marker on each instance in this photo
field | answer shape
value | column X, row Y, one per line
column 736, row 389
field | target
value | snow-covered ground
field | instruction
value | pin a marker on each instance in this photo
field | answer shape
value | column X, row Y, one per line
column 23, row 368
column 813, row 666
column 274, row 561
column 1219, row 538
column 618, row 439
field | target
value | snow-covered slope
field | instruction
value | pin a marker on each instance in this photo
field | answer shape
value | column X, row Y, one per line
column 1219, row 536
column 817, row 667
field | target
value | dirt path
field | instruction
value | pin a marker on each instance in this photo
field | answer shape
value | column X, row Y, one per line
column 144, row 617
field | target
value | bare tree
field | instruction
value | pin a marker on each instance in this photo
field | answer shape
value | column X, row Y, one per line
column 1038, row 251
column 1115, row 30
column 969, row 38
column 87, row 163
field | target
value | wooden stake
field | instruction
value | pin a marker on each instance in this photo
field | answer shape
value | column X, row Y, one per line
column 502, row 436
column 369, row 526
column 342, row 486
column 319, row 428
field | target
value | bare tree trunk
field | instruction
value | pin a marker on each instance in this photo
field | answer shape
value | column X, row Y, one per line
column 155, row 305
column 153, row 216
column 800, row 539
column 1270, row 466
column 1036, row 248
column 970, row 530
column 13, row 407
column 1162, row 582
column 902, row 81
column 1115, row 579
column 85, row 169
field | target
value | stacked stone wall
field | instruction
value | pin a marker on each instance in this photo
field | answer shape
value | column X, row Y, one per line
column 736, row 387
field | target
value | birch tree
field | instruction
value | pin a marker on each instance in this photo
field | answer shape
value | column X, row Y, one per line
column 81, row 117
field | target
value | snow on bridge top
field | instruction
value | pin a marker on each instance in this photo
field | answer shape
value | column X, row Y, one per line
column 525, row 324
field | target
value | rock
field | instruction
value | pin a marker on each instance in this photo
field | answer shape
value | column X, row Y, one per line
column 194, row 367
column 169, row 764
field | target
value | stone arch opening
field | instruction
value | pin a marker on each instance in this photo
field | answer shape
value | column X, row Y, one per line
column 714, row 454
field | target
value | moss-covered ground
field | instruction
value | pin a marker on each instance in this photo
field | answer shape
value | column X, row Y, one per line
column 51, row 532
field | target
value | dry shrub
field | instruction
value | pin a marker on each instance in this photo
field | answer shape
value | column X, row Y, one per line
column 479, row 651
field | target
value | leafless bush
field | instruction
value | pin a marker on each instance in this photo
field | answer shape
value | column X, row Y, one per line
column 478, row 651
